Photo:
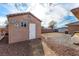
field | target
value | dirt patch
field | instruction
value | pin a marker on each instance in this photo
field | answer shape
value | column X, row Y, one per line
column 59, row 50
column 16, row 49
column 60, row 45
column 37, row 47
column 25, row 48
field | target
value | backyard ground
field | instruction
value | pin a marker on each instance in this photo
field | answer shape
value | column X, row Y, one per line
column 25, row 48
column 59, row 44
column 51, row 44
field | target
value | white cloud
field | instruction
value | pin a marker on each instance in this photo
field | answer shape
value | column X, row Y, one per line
column 46, row 12
column 2, row 21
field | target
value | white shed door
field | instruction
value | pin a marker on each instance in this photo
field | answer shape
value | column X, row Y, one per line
column 32, row 31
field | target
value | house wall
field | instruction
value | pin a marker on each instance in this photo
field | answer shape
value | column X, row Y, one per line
column 62, row 30
column 73, row 28
column 17, row 34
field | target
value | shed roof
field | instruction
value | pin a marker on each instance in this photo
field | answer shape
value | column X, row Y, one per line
column 24, row 13
column 75, row 11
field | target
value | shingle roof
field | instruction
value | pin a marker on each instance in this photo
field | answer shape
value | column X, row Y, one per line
column 24, row 13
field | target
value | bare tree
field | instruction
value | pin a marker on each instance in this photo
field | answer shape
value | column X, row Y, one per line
column 52, row 24
column 21, row 6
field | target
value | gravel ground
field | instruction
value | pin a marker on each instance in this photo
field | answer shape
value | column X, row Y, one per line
column 16, row 49
column 37, row 47
column 62, row 50
column 60, row 44
column 26, row 48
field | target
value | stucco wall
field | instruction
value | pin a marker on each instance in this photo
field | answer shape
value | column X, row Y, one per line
column 17, row 34
column 38, row 25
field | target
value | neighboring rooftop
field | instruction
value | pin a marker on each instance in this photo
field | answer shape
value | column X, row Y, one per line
column 74, row 23
column 63, row 28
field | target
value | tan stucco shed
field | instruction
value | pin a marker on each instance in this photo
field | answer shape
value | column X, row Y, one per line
column 23, row 26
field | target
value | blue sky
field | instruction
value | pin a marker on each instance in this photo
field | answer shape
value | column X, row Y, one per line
column 59, row 12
